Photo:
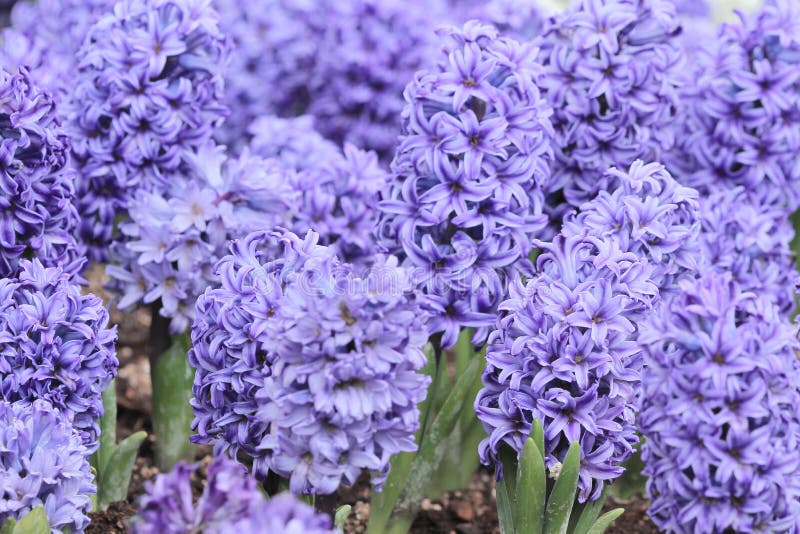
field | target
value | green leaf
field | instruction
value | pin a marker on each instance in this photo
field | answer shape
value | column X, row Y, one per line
column 537, row 433
column 432, row 448
column 584, row 515
column 108, row 426
column 8, row 526
column 116, row 477
column 172, row 414
column 605, row 521
column 340, row 517
column 559, row 505
column 33, row 523
column 505, row 507
column 531, row 490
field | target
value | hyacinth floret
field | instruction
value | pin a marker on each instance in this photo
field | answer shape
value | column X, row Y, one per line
column 719, row 411
column 564, row 351
column 306, row 364
column 611, row 74
column 469, row 173
column 168, row 249
column 231, row 503
column 650, row 214
column 55, row 344
column 43, row 463
column 37, row 198
column 147, row 94
column 742, row 117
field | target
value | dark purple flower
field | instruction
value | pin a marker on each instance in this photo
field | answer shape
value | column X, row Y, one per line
column 55, row 345
column 306, row 364
column 38, row 218
column 469, row 174
column 43, row 463
column 231, row 503
column 611, row 73
column 719, row 411
column 146, row 96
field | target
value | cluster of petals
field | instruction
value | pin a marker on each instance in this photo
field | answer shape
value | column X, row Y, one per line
column 167, row 251
column 611, row 74
column 719, row 411
column 147, row 92
column 38, row 216
column 231, row 503
column 742, row 121
column 55, row 345
column 466, row 197
column 344, row 62
column 306, row 364
column 43, row 463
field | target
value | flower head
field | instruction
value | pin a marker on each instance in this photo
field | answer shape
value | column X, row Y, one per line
column 38, row 218
column 469, row 174
column 307, row 364
column 719, row 411
column 611, row 74
column 147, row 95
column 43, row 463
column 230, row 503
column 55, row 345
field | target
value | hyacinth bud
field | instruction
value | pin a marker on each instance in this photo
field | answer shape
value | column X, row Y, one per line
column 306, row 364
column 43, row 463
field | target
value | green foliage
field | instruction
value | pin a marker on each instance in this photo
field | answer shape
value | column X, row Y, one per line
column 33, row 523
column 172, row 414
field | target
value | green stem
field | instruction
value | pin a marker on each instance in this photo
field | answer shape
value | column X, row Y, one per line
column 108, row 427
column 172, row 378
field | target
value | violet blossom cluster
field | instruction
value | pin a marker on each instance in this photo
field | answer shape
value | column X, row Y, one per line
column 346, row 63
column 231, row 503
column 55, row 345
column 750, row 241
column 719, row 412
column 469, row 174
column 43, row 463
column 565, row 352
column 611, row 74
column 651, row 215
column 37, row 200
column 742, row 122
column 147, row 93
column 167, row 251
column 519, row 19
column 45, row 36
column 293, row 141
column 306, row 364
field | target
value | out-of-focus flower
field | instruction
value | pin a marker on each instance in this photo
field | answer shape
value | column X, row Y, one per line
column 43, row 463
column 38, row 218
column 742, row 123
column 469, row 173
column 306, row 364
column 147, row 94
column 168, row 249
column 719, row 411
column 55, row 344
column 519, row 19
column 231, row 503
column 611, row 73
column 293, row 141
column 346, row 63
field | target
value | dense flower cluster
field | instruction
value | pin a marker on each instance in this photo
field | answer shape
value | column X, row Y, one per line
column 750, row 241
column 45, row 36
column 344, row 62
column 719, row 412
column 565, row 352
column 611, row 76
column 293, row 141
column 470, row 170
column 306, row 365
column 43, row 463
column 38, row 217
column 147, row 93
column 168, row 249
column 651, row 215
column 55, row 345
column 743, row 117
column 519, row 19
column 231, row 503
